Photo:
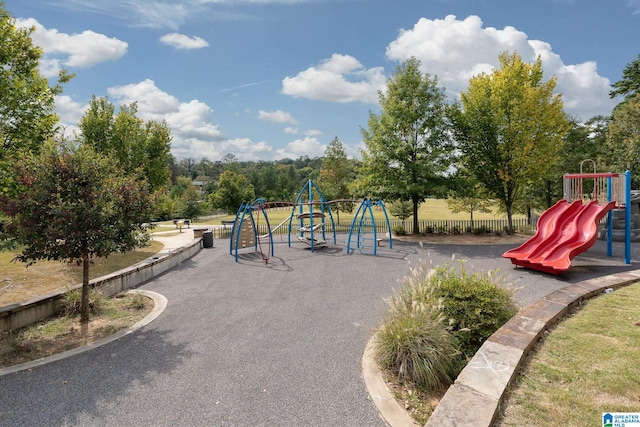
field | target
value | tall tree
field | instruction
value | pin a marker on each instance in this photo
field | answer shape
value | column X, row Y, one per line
column 629, row 85
column 407, row 145
column 135, row 144
column 76, row 204
column 510, row 128
column 623, row 139
column 336, row 175
column 233, row 189
column 27, row 109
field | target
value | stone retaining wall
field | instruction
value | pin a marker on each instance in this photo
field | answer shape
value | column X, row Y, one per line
column 23, row 314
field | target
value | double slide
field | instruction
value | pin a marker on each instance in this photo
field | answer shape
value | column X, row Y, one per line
column 564, row 231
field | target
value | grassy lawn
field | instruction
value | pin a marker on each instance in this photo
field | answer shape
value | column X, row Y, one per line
column 431, row 209
column 20, row 283
column 586, row 366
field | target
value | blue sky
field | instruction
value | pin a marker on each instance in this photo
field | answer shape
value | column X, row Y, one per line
column 269, row 79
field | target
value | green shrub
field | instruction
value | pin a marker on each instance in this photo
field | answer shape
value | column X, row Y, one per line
column 437, row 320
column 399, row 230
column 483, row 229
column 474, row 306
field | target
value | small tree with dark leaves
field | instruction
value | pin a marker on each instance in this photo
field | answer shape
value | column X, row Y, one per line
column 76, row 204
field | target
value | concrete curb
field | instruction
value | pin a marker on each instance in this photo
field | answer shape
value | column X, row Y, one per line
column 160, row 303
column 387, row 405
column 474, row 399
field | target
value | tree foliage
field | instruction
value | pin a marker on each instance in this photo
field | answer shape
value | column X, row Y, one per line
column 336, row 174
column 27, row 109
column 407, row 145
column 233, row 189
column 623, row 139
column 629, row 85
column 135, row 144
column 76, row 204
column 510, row 128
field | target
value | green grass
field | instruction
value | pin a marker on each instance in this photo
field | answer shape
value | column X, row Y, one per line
column 20, row 283
column 431, row 209
column 586, row 366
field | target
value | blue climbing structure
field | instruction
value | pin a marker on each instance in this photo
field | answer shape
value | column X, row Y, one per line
column 366, row 230
column 311, row 211
column 246, row 230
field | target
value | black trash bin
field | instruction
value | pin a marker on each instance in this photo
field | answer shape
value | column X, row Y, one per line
column 207, row 239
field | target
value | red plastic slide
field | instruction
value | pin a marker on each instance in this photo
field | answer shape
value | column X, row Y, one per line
column 564, row 231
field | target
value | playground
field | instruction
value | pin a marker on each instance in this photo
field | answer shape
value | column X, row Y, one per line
column 244, row 341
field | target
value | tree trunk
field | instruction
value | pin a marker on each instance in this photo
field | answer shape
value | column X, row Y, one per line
column 509, row 220
column 84, row 308
column 416, row 224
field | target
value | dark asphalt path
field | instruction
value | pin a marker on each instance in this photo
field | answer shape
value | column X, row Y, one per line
column 249, row 344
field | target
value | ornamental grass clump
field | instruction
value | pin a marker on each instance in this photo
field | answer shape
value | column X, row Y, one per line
column 437, row 321
column 413, row 344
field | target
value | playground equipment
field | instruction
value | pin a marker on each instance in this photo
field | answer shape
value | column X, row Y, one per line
column 244, row 233
column 570, row 227
column 364, row 223
column 315, row 219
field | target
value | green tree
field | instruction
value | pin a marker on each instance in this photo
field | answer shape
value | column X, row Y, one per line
column 407, row 145
column 135, row 144
column 76, row 204
column 629, row 85
column 335, row 176
column 510, row 128
column 27, row 109
column 233, row 189
column 401, row 209
column 623, row 139
column 467, row 195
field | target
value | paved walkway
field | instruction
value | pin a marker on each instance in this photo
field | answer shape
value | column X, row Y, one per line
column 253, row 343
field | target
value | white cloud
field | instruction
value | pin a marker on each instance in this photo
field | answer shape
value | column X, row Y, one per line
column 455, row 50
column 291, row 130
column 277, row 116
column 181, row 41
column 76, row 50
column 341, row 78
column 313, row 132
column 194, row 133
column 308, row 146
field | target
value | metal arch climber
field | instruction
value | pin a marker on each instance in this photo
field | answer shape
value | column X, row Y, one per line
column 364, row 224
column 245, row 231
column 311, row 221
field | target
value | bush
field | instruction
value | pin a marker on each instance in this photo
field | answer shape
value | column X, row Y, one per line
column 474, row 306
column 483, row 229
column 437, row 320
column 399, row 230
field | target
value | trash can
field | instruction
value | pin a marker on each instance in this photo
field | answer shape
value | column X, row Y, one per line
column 207, row 239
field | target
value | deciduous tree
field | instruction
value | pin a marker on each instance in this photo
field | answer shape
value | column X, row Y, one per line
column 336, row 175
column 233, row 189
column 510, row 128
column 76, row 204
column 134, row 143
column 407, row 145
column 27, row 109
